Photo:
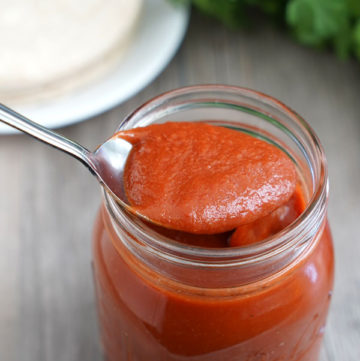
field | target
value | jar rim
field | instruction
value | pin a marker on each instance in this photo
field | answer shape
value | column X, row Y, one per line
column 274, row 245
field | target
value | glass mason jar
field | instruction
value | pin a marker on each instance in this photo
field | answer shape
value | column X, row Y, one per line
column 162, row 300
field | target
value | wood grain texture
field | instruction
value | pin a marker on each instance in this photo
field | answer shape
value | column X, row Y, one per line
column 48, row 201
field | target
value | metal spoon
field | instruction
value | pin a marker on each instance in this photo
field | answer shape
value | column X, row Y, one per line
column 107, row 162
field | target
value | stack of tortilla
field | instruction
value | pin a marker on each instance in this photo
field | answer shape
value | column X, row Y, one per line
column 49, row 48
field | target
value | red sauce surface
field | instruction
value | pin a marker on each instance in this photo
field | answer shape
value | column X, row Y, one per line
column 272, row 223
column 204, row 179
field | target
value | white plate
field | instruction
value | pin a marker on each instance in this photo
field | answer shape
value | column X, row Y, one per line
column 160, row 31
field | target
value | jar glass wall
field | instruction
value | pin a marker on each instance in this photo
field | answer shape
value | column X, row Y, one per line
column 159, row 299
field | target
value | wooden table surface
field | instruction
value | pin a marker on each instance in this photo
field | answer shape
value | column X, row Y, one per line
column 49, row 201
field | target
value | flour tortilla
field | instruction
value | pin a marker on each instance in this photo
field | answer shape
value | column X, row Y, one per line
column 53, row 46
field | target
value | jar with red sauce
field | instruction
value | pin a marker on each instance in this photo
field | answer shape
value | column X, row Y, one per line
column 162, row 297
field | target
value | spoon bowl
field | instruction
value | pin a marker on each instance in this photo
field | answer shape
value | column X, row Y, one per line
column 108, row 164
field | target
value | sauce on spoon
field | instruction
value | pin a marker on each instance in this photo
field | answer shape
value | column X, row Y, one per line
column 204, row 179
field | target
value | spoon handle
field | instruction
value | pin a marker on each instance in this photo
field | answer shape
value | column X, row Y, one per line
column 18, row 121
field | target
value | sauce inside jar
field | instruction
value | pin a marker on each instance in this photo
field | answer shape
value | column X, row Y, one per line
column 204, row 191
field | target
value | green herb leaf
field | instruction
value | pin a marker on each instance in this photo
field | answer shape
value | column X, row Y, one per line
column 356, row 39
column 231, row 12
column 316, row 21
column 343, row 40
column 354, row 8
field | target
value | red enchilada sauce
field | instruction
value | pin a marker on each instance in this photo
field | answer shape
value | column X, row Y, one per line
column 203, row 179
column 212, row 187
